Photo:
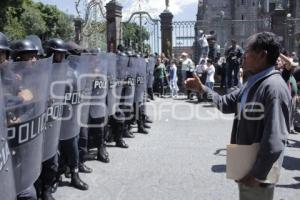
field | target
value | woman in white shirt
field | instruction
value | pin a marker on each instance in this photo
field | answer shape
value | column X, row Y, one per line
column 210, row 70
column 173, row 79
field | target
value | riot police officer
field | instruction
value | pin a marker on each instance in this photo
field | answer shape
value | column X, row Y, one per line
column 68, row 147
column 116, row 120
column 84, row 155
column 56, row 48
column 23, row 50
column 127, row 107
column 7, row 185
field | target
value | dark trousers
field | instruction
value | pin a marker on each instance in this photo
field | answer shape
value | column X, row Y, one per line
column 235, row 69
column 49, row 171
column 116, row 124
column 223, row 77
column 69, row 155
column 97, row 134
column 28, row 194
column 161, row 86
column 150, row 93
column 189, row 75
column 83, row 143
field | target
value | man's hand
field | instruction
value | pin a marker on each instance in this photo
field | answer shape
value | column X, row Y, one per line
column 249, row 181
column 26, row 95
column 14, row 121
column 289, row 63
column 194, row 84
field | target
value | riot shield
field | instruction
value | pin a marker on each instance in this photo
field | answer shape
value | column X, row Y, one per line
column 122, row 64
column 150, row 70
column 7, row 183
column 55, row 108
column 77, row 86
column 26, row 92
column 129, row 83
column 99, row 86
column 112, row 100
column 140, row 86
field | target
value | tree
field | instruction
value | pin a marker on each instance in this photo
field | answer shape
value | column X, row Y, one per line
column 24, row 17
column 13, row 28
column 131, row 36
column 58, row 24
column 65, row 27
column 10, row 10
column 32, row 21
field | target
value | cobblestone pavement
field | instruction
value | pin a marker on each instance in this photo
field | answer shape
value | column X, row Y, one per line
column 183, row 158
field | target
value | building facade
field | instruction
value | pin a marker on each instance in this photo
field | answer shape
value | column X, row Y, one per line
column 238, row 19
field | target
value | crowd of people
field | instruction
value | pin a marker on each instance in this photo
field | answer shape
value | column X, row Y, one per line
column 61, row 101
column 213, row 68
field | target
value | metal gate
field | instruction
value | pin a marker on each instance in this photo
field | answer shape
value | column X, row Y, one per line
column 183, row 38
column 142, row 33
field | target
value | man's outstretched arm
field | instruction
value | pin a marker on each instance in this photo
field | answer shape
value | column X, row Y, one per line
column 226, row 103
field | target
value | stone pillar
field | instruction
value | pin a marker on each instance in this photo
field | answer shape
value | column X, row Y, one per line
column 166, row 33
column 279, row 25
column 113, row 25
column 78, row 30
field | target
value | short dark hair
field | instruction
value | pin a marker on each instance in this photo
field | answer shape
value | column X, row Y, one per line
column 210, row 61
column 267, row 41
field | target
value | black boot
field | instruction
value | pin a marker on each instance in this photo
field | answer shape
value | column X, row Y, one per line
column 121, row 143
column 118, row 132
column 146, row 126
column 57, row 181
column 76, row 182
column 147, row 119
column 84, row 169
column 67, row 172
column 89, row 156
column 38, row 185
column 126, row 132
column 141, row 128
column 102, row 154
column 47, row 193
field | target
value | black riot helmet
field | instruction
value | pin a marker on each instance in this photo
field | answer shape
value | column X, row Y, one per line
column 4, row 45
column 73, row 48
column 55, row 44
column 38, row 44
column 22, row 47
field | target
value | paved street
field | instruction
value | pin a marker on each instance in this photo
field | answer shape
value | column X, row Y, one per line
column 183, row 158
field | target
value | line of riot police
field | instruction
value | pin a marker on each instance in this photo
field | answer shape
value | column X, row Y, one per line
column 57, row 105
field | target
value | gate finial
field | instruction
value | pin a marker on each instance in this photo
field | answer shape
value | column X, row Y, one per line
column 167, row 4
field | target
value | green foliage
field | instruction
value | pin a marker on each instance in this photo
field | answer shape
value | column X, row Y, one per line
column 32, row 21
column 65, row 28
column 19, row 18
column 8, row 10
column 132, row 34
column 13, row 28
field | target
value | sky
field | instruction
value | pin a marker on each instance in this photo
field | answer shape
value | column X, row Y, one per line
column 183, row 10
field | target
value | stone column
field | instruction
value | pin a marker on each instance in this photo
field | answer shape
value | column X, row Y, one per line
column 166, row 33
column 279, row 25
column 78, row 30
column 113, row 25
